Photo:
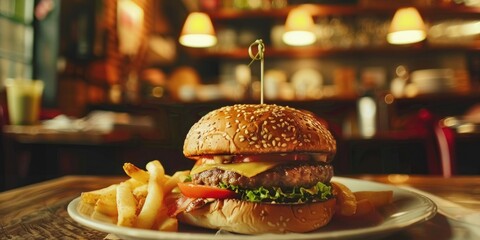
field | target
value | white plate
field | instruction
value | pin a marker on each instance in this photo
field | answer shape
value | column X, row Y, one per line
column 407, row 209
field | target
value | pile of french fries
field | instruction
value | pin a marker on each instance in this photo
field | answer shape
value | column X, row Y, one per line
column 139, row 201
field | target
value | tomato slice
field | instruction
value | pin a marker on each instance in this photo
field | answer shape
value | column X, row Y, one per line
column 202, row 191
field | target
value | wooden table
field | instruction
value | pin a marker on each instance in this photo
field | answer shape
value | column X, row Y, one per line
column 39, row 211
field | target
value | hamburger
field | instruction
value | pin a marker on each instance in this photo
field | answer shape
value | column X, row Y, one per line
column 259, row 168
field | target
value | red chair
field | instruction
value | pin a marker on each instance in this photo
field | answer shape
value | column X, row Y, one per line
column 445, row 137
column 440, row 142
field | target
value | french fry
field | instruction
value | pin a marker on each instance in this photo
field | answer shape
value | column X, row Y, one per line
column 140, row 191
column 365, row 215
column 346, row 201
column 135, row 183
column 169, row 225
column 377, row 198
column 140, row 204
column 140, row 194
column 154, row 199
column 126, row 205
column 165, row 222
column 93, row 196
column 364, row 207
column 135, row 172
column 107, row 203
column 172, row 182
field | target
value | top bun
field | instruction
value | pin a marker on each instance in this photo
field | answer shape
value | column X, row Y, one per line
column 258, row 129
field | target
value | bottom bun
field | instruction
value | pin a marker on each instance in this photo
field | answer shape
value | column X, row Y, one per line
column 254, row 218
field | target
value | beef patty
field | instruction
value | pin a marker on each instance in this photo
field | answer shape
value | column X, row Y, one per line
column 304, row 174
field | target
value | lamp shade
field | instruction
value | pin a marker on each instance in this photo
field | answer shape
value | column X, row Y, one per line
column 299, row 28
column 407, row 26
column 198, row 31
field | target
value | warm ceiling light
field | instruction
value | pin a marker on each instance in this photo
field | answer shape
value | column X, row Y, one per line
column 198, row 31
column 299, row 28
column 407, row 27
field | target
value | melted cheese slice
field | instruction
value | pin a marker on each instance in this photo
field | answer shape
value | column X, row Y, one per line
column 246, row 169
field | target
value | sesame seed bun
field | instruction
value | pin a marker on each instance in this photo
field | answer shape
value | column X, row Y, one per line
column 258, row 129
column 252, row 218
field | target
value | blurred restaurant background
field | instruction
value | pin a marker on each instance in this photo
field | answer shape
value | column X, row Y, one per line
column 124, row 81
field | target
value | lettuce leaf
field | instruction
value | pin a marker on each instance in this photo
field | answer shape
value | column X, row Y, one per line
column 319, row 192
